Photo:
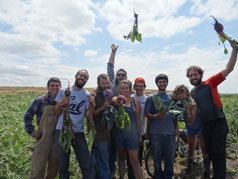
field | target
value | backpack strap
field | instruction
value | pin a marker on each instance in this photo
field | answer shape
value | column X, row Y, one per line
column 45, row 100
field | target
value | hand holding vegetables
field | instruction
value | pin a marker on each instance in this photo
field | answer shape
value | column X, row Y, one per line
column 121, row 99
column 218, row 27
column 66, row 134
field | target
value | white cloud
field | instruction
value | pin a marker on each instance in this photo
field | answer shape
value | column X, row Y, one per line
column 90, row 53
column 225, row 9
column 18, row 71
column 156, row 18
column 35, row 26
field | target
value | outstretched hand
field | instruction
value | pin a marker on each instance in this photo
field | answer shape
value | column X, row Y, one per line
column 121, row 99
column 114, row 47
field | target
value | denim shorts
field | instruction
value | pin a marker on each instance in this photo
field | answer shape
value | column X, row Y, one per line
column 195, row 129
column 128, row 139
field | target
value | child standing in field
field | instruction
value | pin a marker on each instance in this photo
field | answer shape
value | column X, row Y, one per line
column 193, row 128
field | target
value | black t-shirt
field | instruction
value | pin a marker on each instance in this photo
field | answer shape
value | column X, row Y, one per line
column 208, row 99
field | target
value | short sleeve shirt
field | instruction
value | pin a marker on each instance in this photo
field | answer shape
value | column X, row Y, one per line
column 77, row 107
column 160, row 126
column 208, row 100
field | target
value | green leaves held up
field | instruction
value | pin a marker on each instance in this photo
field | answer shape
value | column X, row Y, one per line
column 134, row 34
column 122, row 119
column 218, row 27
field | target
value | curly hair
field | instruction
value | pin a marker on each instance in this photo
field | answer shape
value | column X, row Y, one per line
column 199, row 69
column 181, row 89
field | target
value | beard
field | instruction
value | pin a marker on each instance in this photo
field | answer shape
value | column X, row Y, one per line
column 196, row 83
column 79, row 85
column 102, row 88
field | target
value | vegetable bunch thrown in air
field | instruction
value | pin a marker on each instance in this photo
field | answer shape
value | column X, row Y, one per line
column 66, row 134
column 122, row 119
column 109, row 114
column 178, row 109
column 134, row 34
column 218, row 27
column 160, row 106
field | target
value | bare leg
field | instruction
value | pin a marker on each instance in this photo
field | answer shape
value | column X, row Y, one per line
column 192, row 141
column 133, row 156
column 121, row 162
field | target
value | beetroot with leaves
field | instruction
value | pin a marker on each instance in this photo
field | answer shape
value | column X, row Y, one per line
column 217, row 26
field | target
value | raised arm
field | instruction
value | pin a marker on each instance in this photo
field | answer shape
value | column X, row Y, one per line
column 113, row 54
column 232, row 61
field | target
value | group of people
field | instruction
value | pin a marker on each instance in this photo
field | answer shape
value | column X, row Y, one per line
column 205, row 119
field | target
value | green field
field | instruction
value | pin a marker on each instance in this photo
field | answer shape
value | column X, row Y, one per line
column 15, row 157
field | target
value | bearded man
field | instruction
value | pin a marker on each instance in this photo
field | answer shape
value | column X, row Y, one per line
column 78, row 102
column 215, row 128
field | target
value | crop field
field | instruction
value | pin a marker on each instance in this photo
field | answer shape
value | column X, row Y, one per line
column 15, row 157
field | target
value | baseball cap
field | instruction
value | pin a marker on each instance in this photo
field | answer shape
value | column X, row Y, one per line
column 139, row 80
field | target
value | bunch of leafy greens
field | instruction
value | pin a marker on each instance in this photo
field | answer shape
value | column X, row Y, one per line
column 122, row 119
column 134, row 34
column 66, row 134
column 160, row 106
column 178, row 109
column 109, row 114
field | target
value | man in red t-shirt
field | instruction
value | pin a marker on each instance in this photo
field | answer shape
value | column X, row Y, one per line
column 215, row 126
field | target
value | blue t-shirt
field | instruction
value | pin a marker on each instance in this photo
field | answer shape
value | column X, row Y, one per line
column 160, row 126
column 77, row 107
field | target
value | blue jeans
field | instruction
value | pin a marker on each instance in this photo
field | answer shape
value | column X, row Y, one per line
column 100, row 152
column 113, row 150
column 82, row 154
column 163, row 148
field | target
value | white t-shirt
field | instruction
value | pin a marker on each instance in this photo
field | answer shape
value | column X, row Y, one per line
column 77, row 107
column 142, row 100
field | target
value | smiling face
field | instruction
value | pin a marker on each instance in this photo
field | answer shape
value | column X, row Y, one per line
column 162, row 84
column 81, row 78
column 181, row 96
column 125, row 88
column 53, row 88
column 139, row 88
column 194, row 77
column 121, row 75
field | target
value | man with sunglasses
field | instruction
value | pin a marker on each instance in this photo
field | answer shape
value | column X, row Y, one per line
column 121, row 74
column 78, row 107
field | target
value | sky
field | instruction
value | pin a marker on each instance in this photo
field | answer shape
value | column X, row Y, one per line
column 43, row 39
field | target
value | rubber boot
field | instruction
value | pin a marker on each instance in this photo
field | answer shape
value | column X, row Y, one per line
column 206, row 173
column 190, row 165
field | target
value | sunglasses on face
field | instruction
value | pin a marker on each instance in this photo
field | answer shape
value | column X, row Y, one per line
column 83, row 76
column 121, row 74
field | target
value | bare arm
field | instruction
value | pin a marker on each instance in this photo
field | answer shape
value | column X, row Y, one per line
column 232, row 61
column 113, row 53
column 138, row 115
column 191, row 111
column 59, row 105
